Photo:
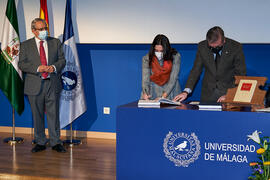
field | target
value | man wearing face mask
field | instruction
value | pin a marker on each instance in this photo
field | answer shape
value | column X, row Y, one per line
column 42, row 60
column 222, row 59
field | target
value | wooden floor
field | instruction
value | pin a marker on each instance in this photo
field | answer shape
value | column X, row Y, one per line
column 95, row 159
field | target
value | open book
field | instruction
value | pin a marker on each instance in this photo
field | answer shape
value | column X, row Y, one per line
column 156, row 103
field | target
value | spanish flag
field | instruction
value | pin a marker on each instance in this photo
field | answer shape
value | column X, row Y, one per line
column 43, row 14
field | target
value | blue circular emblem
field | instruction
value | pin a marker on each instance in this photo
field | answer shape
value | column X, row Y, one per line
column 69, row 80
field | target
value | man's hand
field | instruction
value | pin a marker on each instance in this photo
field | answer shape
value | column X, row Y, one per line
column 181, row 97
column 145, row 96
column 222, row 98
column 42, row 68
column 50, row 69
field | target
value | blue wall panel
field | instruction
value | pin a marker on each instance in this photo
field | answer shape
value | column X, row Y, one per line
column 117, row 81
column 112, row 76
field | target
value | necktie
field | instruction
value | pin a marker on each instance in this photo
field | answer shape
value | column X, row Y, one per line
column 43, row 58
column 217, row 60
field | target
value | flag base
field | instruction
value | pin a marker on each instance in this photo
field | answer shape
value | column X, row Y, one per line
column 72, row 142
column 13, row 141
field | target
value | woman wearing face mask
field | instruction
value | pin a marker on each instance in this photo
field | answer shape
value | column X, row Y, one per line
column 160, row 70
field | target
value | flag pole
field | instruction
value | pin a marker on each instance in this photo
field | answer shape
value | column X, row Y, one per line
column 13, row 140
column 71, row 142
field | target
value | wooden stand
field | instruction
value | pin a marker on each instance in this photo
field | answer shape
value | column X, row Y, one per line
column 250, row 86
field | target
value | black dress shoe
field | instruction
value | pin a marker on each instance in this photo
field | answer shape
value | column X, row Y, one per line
column 38, row 148
column 59, row 148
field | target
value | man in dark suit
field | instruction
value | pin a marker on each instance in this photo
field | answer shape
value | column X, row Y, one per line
column 222, row 58
column 42, row 60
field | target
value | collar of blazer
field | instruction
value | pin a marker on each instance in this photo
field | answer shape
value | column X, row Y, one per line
column 210, row 60
column 225, row 52
column 226, row 48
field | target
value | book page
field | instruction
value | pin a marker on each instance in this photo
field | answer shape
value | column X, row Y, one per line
column 167, row 101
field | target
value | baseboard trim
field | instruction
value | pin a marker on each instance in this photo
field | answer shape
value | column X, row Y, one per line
column 81, row 134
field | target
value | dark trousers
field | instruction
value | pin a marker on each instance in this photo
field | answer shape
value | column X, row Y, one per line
column 46, row 101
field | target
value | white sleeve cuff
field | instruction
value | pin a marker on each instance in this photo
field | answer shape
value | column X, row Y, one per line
column 188, row 90
column 54, row 68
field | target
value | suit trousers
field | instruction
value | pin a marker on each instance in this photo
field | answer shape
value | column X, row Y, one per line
column 47, row 101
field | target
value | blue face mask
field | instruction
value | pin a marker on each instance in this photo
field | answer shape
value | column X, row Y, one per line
column 43, row 34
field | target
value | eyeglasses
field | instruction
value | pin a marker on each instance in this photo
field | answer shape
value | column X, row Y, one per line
column 42, row 29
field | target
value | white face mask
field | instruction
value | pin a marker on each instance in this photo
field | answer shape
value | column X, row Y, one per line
column 159, row 55
column 43, row 35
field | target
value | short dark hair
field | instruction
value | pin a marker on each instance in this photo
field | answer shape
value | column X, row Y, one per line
column 168, row 51
column 214, row 33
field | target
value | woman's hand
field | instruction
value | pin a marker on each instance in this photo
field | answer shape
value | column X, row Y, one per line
column 164, row 95
column 145, row 96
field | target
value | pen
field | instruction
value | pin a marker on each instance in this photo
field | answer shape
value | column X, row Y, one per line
column 145, row 91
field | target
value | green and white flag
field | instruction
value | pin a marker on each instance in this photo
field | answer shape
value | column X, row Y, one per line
column 11, row 80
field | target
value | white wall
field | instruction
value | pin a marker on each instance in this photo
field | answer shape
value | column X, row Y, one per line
column 138, row 21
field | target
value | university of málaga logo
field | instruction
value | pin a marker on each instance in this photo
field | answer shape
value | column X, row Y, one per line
column 181, row 148
column 71, row 80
